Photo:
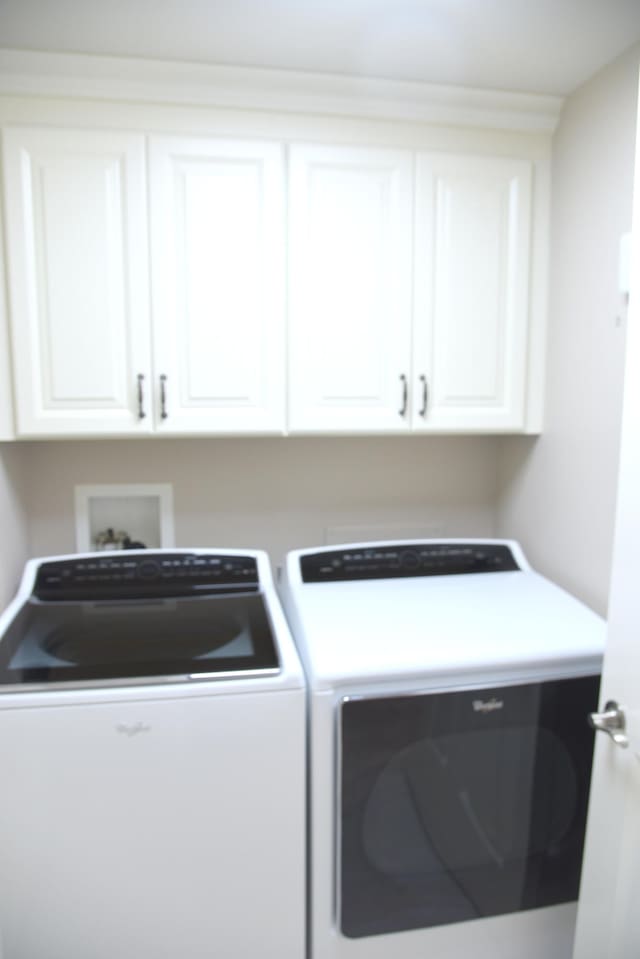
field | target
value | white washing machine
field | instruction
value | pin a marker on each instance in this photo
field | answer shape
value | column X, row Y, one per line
column 152, row 746
column 450, row 753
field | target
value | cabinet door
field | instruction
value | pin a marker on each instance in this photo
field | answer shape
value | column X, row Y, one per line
column 471, row 292
column 78, row 280
column 350, row 289
column 217, row 246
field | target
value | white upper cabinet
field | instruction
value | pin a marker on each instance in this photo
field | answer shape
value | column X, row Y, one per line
column 371, row 352
column 168, row 283
column 78, row 280
column 351, row 214
column 88, row 359
column 217, row 254
column 471, row 275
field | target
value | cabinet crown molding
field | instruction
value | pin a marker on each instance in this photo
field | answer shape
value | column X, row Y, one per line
column 200, row 84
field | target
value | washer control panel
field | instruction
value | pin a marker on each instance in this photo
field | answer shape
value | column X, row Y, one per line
column 403, row 561
column 132, row 575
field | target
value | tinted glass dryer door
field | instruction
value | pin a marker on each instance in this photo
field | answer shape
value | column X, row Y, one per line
column 464, row 804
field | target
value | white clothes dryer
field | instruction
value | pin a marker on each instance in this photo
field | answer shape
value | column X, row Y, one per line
column 152, row 743
column 450, row 752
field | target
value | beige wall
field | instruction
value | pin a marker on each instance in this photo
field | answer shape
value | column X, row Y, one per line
column 276, row 494
column 13, row 521
column 558, row 492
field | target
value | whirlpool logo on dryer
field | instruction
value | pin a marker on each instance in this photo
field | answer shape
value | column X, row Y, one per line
column 487, row 705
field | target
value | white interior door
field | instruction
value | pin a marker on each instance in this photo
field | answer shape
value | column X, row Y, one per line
column 608, row 915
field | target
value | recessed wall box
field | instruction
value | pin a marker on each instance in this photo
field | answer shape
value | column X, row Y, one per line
column 106, row 516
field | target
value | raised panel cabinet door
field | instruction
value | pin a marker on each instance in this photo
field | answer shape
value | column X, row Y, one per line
column 78, row 281
column 350, row 289
column 217, row 255
column 471, row 292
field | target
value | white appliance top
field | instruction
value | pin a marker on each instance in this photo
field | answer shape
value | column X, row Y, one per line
column 430, row 611
column 191, row 618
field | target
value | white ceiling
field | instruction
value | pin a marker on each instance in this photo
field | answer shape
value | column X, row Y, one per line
column 535, row 46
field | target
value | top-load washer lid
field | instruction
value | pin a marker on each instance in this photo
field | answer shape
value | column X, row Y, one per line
column 140, row 616
column 378, row 613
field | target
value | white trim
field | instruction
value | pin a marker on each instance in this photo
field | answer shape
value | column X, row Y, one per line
column 116, row 78
column 538, row 300
column 7, row 431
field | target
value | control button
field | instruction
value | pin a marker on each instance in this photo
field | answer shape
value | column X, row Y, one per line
column 409, row 559
column 148, row 569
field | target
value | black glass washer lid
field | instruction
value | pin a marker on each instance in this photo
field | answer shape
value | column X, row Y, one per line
column 70, row 643
column 51, row 642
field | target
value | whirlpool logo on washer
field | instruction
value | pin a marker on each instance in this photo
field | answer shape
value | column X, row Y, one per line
column 487, row 705
column 132, row 729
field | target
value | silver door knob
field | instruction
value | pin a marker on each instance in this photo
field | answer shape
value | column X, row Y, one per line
column 612, row 722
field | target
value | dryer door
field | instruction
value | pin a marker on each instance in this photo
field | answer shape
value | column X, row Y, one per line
column 462, row 804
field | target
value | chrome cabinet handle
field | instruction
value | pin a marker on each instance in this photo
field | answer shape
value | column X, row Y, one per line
column 612, row 722
column 140, row 394
column 405, row 395
column 425, row 396
column 163, row 396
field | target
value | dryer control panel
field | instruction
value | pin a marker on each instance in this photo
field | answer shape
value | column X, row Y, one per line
column 405, row 560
